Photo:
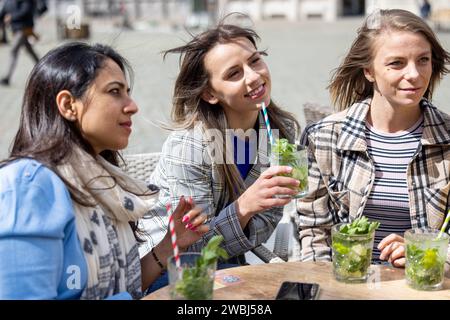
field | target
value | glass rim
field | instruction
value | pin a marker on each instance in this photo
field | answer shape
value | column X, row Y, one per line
column 336, row 227
column 186, row 254
column 300, row 155
column 171, row 259
column 298, row 148
column 429, row 231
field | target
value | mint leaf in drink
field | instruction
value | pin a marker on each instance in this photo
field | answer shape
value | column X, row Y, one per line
column 287, row 154
column 359, row 226
column 212, row 252
column 197, row 282
column 284, row 151
column 424, row 267
column 352, row 249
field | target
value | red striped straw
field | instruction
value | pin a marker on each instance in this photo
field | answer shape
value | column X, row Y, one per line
column 173, row 236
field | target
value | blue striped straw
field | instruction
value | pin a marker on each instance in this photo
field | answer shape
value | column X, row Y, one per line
column 266, row 119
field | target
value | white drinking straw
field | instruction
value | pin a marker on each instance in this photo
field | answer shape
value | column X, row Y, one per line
column 360, row 209
column 444, row 225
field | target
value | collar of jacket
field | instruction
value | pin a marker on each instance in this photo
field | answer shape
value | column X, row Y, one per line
column 353, row 137
column 353, row 132
column 436, row 125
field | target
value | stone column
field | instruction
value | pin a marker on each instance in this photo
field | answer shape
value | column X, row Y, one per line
column 82, row 4
column 258, row 10
column 333, row 10
column 137, row 8
column 292, row 14
column 221, row 8
column 165, row 9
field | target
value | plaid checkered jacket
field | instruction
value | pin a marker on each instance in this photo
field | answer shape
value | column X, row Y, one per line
column 187, row 167
column 342, row 173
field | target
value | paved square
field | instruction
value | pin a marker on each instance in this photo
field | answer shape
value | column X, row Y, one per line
column 301, row 58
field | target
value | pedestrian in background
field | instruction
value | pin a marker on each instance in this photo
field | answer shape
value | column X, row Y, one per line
column 425, row 9
column 4, row 36
column 20, row 15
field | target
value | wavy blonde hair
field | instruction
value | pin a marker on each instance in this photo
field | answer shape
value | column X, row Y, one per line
column 348, row 83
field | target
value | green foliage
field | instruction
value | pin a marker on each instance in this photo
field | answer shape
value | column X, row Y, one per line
column 300, row 173
column 212, row 252
column 197, row 282
column 285, row 152
column 425, row 266
column 359, row 226
column 352, row 256
column 340, row 248
column 351, row 259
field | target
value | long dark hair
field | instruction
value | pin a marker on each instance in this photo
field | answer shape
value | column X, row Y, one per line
column 349, row 85
column 193, row 80
column 44, row 134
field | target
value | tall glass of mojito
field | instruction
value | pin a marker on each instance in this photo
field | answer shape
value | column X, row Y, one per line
column 190, row 281
column 425, row 258
column 352, row 245
column 193, row 278
column 284, row 153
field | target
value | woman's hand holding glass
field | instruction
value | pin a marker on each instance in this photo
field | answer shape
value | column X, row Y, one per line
column 260, row 196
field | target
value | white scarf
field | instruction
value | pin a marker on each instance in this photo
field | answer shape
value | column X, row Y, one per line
column 108, row 243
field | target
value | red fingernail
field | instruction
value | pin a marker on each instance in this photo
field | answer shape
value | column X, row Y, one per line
column 189, row 226
column 185, row 218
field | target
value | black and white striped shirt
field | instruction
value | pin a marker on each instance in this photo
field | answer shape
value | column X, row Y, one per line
column 388, row 201
column 340, row 172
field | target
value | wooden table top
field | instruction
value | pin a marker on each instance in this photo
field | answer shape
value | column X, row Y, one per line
column 262, row 281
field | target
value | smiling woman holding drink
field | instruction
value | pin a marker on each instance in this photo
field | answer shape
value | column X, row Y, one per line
column 68, row 218
column 219, row 148
column 386, row 155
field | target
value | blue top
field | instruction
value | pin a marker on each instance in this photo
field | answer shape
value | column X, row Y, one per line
column 244, row 155
column 41, row 256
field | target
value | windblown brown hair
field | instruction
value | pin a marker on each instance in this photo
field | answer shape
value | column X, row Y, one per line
column 193, row 79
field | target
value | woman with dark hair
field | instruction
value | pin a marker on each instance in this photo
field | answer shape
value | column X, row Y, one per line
column 386, row 154
column 218, row 149
column 68, row 213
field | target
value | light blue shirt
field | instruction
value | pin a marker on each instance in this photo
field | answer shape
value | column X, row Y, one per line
column 40, row 254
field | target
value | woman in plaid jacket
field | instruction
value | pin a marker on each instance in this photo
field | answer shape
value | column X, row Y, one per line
column 216, row 113
column 387, row 150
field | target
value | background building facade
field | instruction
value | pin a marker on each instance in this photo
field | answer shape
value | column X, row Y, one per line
column 204, row 12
